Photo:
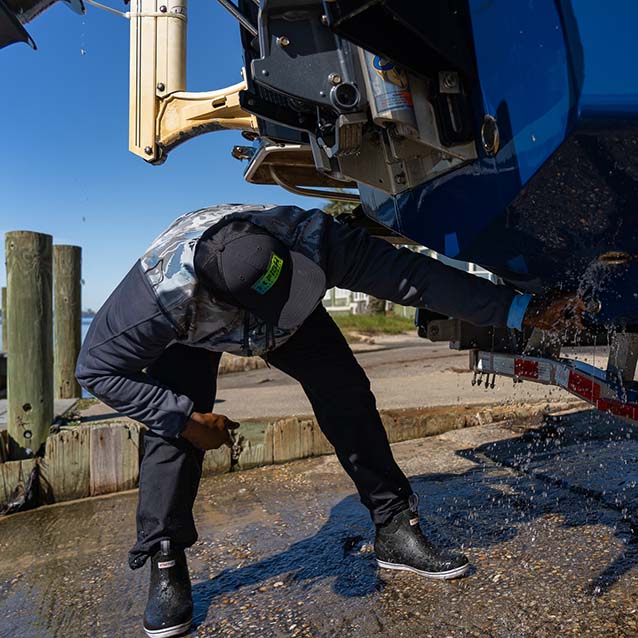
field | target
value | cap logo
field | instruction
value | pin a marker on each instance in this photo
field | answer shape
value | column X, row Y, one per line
column 269, row 279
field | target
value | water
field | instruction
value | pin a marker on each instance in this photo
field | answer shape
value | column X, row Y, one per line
column 86, row 322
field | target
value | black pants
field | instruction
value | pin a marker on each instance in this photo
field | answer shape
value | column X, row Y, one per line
column 319, row 358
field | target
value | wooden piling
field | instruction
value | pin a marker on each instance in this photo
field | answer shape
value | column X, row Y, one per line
column 30, row 335
column 4, row 320
column 67, row 316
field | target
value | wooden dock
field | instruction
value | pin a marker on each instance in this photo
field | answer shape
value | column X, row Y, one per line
column 60, row 406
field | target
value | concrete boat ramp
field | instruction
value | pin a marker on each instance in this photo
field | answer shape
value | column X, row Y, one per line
column 285, row 550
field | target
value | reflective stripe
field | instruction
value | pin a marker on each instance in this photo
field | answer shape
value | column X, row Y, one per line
column 583, row 387
column 526, row 369
column 586, row 382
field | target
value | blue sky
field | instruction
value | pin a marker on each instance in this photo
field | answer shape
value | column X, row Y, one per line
column 65, row 168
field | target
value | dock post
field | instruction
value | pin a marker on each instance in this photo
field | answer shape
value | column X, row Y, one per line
column 4, row 320
column 30, row 336
column 67, row 317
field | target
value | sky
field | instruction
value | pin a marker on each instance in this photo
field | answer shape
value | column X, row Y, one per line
column 65, row 168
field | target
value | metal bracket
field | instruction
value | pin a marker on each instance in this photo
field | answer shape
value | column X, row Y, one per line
column 183, row 116
column 309, row 192
column 623, row 357
column 463, row 336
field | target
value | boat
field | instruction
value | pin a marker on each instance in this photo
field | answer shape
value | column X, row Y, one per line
column 490, row 131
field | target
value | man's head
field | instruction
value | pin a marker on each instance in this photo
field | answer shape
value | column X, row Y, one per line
column 247, row 267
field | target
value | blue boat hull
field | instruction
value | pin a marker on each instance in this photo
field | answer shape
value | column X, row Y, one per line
column 556, row 206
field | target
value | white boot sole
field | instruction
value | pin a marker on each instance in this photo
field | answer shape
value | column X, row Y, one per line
column 168, row 632
column 457, row 572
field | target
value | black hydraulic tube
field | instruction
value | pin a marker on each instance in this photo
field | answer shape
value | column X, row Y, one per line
column 243, row 20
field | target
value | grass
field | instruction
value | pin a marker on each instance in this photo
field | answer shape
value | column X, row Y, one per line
column 374, row 324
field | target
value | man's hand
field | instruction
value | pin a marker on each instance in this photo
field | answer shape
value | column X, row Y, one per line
column 556, row 312
column 208, row 431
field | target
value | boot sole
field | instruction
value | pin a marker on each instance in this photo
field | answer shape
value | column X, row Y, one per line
column 169, row 632
column 457, row 572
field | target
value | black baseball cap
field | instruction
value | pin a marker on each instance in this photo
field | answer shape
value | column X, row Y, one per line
column 247, row 267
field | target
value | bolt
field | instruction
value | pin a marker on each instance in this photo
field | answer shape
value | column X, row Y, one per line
column 283, row 41
column 449, row 80
column 163, row 9
column 324, row 20
column 160, row 86
column 264, row 72
column 148, row 150
column 335, row 78
column 322, row 93
column 593, row 307
column 400, row 178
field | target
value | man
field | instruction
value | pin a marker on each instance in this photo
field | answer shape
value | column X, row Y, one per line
column 250, row 280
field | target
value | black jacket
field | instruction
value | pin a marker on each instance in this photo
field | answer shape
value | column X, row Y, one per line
column 134, row 327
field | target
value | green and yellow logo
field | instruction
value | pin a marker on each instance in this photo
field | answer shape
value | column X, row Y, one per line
column 269, row 279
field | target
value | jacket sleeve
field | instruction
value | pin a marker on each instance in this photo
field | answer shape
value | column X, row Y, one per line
column 129, row 333
column 356, row 261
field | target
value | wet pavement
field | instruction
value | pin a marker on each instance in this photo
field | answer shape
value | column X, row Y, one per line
column 285, row 550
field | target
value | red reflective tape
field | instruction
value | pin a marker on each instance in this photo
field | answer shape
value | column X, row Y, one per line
column 525, row 368
column 628, row 410
column 583, row 387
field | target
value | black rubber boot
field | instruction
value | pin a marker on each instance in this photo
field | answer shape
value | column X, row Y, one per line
column 169, row 611
column 400, row 544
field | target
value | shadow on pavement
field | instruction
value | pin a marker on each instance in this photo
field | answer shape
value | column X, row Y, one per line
column 480, row 508
column 591, row 455
column 334, row 552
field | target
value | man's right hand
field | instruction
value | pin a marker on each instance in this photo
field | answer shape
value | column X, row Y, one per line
column 556, row 312
column 208, row 431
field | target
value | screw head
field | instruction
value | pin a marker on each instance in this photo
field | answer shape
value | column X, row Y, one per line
column 449, row 80
column 163, row 9
column 593, row 307
column 160, row 86
column 148, row 150
column 324, row 20
column 283, row 41
column 335, row 78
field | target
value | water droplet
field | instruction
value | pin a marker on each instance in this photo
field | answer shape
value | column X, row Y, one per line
column 83, row 51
